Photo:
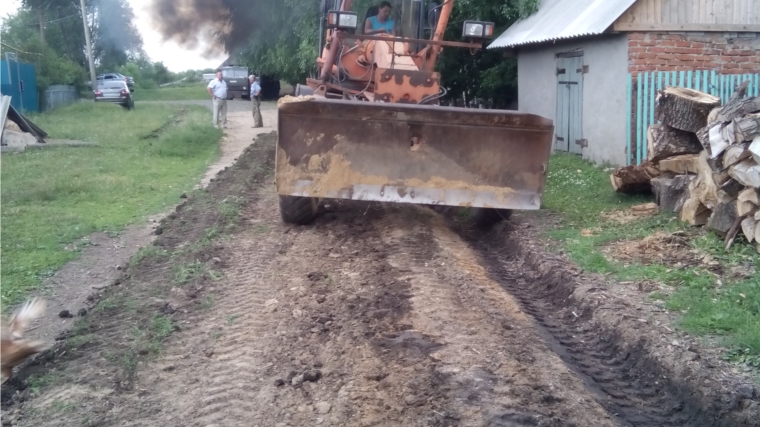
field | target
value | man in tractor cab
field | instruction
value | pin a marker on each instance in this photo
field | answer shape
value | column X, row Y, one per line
column 382, row 22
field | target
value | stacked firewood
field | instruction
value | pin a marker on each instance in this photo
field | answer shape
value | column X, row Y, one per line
column 703, row 161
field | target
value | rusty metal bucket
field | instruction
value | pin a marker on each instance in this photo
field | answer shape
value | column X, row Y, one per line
column 407, row 153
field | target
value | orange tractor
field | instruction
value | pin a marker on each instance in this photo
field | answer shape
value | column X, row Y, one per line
column 370, row 127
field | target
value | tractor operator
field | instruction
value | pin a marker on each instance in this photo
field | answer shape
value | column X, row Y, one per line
column 381, row 23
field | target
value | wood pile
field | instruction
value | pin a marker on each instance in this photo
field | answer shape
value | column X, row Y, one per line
column 703, row 162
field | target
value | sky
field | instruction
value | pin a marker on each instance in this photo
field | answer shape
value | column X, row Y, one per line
column 175, row 58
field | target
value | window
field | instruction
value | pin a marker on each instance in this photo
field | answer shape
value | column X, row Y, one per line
column 234, row 72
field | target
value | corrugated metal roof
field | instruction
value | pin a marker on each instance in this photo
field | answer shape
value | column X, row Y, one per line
column 563, row 19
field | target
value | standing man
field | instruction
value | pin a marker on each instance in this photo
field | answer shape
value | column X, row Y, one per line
column 255, row 101
column 217, row 88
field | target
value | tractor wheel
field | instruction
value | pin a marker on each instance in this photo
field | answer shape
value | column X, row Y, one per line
column 298, row 210
column 486, row 217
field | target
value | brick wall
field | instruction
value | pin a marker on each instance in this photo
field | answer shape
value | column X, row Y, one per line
column 727, row 53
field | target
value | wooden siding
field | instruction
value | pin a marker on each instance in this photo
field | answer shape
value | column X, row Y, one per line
column 691, row 15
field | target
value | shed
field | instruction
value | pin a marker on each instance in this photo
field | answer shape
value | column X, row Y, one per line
column 19, row 81
column 593, row 66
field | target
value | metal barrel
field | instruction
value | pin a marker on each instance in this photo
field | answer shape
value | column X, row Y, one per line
column 410, row 153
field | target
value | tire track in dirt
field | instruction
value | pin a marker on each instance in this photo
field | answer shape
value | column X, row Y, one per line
column 495, row 370
column 625, row 381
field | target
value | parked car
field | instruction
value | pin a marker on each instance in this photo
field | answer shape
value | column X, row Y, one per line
column 116, row 76
column 115, row 91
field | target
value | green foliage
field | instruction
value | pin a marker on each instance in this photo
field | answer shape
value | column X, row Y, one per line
column 52, row 67
column 285, row 43
column 482, row 74
column 53, row 198
column 580, row 192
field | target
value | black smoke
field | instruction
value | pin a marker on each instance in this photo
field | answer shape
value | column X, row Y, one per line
column 214, row 25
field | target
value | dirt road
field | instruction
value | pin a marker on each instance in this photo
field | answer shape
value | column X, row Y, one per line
column 376, row 315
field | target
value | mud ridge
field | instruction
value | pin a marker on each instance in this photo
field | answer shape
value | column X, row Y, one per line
column 174, row 120
column 148, row 288
column 620, row 368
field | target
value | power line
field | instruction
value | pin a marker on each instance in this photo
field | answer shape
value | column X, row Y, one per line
column 19, row 50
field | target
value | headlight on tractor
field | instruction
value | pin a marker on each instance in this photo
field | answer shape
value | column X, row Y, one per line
column 477, row 30
column 342, row 20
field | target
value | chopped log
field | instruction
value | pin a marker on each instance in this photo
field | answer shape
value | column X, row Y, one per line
column 664, row 141
column 749, row 224
column 684, row 109
column 722, row 218
column 634, row 179
column 746, row 172
column 745, row 207
column 693, row 211
column 739, row 93
column 683, row 164
column 738, row 107
column 757, row 229
column 706, row 188
column 732, row 187
column 713, row 116
column 720, row 178
column 746, row 128
column 735, row 154
column 751, row 195
column 712, row 138
column 669, row 191
column 728, row 240
column 757, row 216
column 754, row 149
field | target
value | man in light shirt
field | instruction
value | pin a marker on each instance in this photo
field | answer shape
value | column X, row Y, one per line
column 217, row 88
column 255, row 101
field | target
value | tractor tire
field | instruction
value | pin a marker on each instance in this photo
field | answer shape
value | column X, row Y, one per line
column 298, row 210
column 486, row 217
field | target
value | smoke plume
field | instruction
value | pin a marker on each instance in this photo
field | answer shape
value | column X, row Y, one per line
column 194, row 23
column 215, row 25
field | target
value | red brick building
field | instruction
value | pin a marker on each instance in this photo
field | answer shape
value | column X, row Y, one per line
column 593, row 66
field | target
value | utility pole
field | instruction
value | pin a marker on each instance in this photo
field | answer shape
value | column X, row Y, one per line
column 94, row 81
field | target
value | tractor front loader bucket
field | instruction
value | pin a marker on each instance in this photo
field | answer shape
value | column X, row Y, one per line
column 410, row 153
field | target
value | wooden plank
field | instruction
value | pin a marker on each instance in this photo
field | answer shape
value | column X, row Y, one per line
column 658, row 11
column 628, row 108
column 684, row 11
column 729, row 28
column 639, row 135
column 664, row 11
column 702, row 14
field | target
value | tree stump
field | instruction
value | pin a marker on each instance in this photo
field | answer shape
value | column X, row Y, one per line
column 669, row 192
column 684, row 109
column 634, row 179
column 664, row 141
column 723, row 218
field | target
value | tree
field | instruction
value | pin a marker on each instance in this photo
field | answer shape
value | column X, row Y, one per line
column 51, row 66
column 115, row 39
column 484, row 74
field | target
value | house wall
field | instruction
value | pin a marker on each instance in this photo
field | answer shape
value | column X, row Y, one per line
column 727, row 53
column 694, row 12
column 604, row 91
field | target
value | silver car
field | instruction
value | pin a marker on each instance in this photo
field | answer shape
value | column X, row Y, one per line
column 116, row 92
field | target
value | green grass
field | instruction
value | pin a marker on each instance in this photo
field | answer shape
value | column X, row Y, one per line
column 38, row 382
column 187, row 92
column 581, row 192
column 53, row 198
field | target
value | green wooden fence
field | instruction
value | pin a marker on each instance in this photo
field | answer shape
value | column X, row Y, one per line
column 642, row 93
